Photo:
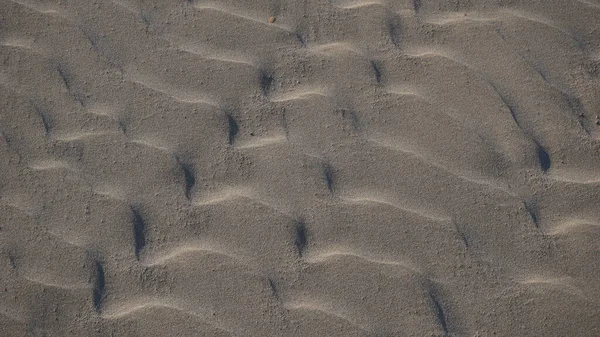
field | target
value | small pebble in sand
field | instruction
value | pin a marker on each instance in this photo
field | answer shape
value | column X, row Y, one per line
column 271, row 19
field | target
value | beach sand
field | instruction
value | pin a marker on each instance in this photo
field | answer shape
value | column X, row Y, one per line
column 300, row 168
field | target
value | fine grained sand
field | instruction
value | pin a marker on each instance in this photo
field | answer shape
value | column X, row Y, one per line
column 354, row 168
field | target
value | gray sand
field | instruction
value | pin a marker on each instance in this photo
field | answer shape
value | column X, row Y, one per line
column 354, row 168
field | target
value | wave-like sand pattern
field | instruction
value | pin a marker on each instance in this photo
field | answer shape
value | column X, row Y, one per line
column 334, row 48
column 170, row 90
column 538, row 19
column 228, row 194
column 562, row 284
column 326, row 310
column 357, row 4
column 199, row 248
column 590, row 3
column 42, row 8
column 70, row 137
column 245, row 14
column 286, row 168
column 405, row 90
column 429, row 159
column 341, row 253
column 458, row 18
column 262, row 142
column 576, row 176
column 301, row 93
column 152, row 143
column 39, row 279
column 141, row 306
column 366, row 198
column 18, row 42
column 569, row 226
column 134, row 306
column 50, row 164
column 211, row 53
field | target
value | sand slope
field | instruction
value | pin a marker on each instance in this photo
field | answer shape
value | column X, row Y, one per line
column 356, row 168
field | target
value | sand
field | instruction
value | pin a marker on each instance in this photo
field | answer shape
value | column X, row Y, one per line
column 300, row 168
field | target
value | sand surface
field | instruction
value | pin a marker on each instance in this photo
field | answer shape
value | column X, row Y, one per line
column 354, row 168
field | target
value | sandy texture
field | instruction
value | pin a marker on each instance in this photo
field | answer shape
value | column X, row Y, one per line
column 300, row 168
